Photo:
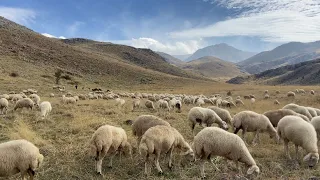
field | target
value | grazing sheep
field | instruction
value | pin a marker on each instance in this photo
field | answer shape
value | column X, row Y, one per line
column 19, row 156
column 312, row 92
column 159, row 140
column 25, row 102
column 277, row 92
column 135, row 104
column 246, row 97
column 82, row 97
column 266, row 91
column 6, row 96
column 239, row 102
column 149, row 104
column 15, row 97
column 252, row 100
column 68, row 100
column 108, row 140
column 222, row 113
column 301, row 133
column 120, row 102
column 144, row 122
column 266, row 96
column 276, row 102
column 291, row 94
column 226, row 103
column 316, row 124
column 298, row 109
column 213, row 141
column 199, row 102
column 45, row 108
column 205, row 116
column 252, row 96
column 76, row 98
column 51, row 95
column 250, row 121
column 164, row 104
column 35, row 98
column 275, row 115
column 3, row 105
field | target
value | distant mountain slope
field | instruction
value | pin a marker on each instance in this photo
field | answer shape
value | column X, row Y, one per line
column 85, row 60
column 182, row 57
column 285, row 54
column 170, row 59
column 221, row 51
column 213, row 67
column 305, row 73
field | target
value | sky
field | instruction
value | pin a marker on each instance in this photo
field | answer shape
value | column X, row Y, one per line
column 176, row 27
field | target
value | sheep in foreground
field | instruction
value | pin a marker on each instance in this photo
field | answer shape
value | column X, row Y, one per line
column 35, row 98
column 298, row 109
column 317, row 111
column 3, row 105
column 316, row 124
column 144, row 122
column 301, row 133
column 149, row 104
column 312, row 111
column 19, row 156
column 213, row 141
column 159, row 140
column 250, row 121
column 205, row 116
column 275, row 115
column 108, row 140
column 222, row 113
column 45, row 109
column 24, row 103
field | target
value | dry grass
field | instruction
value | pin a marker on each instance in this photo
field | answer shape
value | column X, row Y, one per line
column 62, row 138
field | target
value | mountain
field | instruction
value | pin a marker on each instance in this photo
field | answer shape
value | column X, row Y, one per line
column 222, row 51
column 34, row 59
column 286, row 54
column 171, row 59
column 182, row 57
column 212, row 67
column 305, row 73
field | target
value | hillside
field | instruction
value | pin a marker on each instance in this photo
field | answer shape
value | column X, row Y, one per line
column 182, row 57
column 286, row 54
column 86, row 61
column 221, row 51
column 213, row 67
column 171, row 59
column 305, row 73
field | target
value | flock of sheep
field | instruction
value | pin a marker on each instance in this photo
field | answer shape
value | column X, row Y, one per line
column 155, row 136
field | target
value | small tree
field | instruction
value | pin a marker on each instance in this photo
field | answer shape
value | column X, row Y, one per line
column 58, row 75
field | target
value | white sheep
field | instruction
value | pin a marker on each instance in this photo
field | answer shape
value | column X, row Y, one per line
column 275, row 115
column 312, row 92
column 252, row 100
column 144, row 122
column 239, row 102
column 159, row 140
column 213, row 141
column 298, row 109
column 19, row 156
column 317, row 111
column 25, row 102
column 149, row 104
column 6, row 96
column 45, row 109
column 35, row 98
column 205, row 116
column 3, row 105
column 222, row 113
column 164, row 104
column 135, row 103
column 250, row 121
column 316, row 124
column 108, row 140
column 301, row 133
column 120, row 102
column 51, row 95
column 312, row 111
column 291, row 94
column 199, row 102
column 68, row 100
column 266, row 96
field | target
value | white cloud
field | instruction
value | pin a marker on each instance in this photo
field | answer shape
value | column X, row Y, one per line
column 18, row 15
column 52, row 36
column 175, row 48
column 73, row 28
column 272, row 20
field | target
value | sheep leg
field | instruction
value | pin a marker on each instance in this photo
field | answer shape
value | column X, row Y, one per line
column 286, row 149
column 23, row 175
column 170, row 158
column 297, row 152
column 157, row 163
column 31, row 173
column 111, row 156
column 202, row 162
column 255, row 138
column 243, row 137
column 146, row 167
column 238, row 167
column 99, row 160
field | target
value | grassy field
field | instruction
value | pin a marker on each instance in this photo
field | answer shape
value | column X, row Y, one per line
column 63, row 137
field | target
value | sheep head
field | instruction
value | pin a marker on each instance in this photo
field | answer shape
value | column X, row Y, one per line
column 253, row 169
column 312, row 159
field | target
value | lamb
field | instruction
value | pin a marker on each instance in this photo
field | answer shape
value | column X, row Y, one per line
column 316, row 124
column 35, row 98
column 45, row 108
column 222, row 113
column 144, row 122
column 301, row 133
column 19, row 156
column 108, row 140
column 159, row 140
column 239, row 102
column 213, row 141
column 250, row 121
column 3, row 105
column 298, row 109
column 149, row 104
column 275, row 115
column 25, row 102
column 204, row 116
column 291, row 94
column 120, row 102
